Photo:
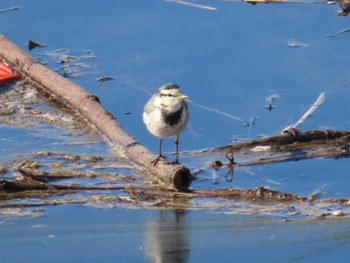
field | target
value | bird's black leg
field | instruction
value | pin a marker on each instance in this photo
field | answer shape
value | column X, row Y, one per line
column 176, row 161
column 155, row 161
column 160, row 146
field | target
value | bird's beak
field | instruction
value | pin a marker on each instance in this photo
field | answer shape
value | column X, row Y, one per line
column 183, row 96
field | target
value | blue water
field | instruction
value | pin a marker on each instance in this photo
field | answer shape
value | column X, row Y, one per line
column 231, row 59
column 149, row 236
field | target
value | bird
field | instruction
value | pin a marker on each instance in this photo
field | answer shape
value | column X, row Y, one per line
column 166, row 115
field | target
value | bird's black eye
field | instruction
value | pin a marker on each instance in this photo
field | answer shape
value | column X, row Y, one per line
column 167, row 95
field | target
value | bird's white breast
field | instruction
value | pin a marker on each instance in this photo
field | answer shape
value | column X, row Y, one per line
column 157, row 126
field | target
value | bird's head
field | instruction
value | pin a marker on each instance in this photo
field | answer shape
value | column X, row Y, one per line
column 170, row 97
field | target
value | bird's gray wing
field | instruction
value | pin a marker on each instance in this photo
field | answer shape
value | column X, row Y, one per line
column 149, row 107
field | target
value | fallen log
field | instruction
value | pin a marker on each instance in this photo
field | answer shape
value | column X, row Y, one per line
column 89, row 107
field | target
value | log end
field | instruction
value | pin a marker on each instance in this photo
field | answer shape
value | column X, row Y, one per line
column 181, row 179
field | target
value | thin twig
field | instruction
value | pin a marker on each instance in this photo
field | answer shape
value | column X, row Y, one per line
column 9, row 9
column 181, row 2
column 309, row 112
column 217, row 111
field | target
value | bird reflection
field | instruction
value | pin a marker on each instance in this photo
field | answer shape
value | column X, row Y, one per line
column 167, row 238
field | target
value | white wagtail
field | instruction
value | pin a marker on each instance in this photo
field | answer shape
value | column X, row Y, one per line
column 166, row 115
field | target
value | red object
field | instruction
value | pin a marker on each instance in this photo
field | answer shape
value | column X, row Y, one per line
column 7, row 73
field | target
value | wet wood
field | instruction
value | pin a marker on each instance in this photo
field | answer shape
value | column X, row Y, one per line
column 256, row 194
column 345, row 7
column 294, row 139
column 32, row 182
column 293, row 145
column 27, row 184
column 89, row 107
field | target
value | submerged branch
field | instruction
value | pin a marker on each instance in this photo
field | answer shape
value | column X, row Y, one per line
column 30, row 183
column 293, row 145
column 26, row 192
column 29, row 188
column 294, row 140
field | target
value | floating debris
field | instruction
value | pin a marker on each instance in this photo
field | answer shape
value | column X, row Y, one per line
column 70, row 66
column 104, row 79
column 251, row 122
column 25, row 106
column 271, row 100
column 7, row 73
column 261, row 148
column 345, row 7
column 31, row 44
column 338, row 213
column 296, row 44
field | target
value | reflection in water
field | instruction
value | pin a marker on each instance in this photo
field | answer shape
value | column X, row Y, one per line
column 167, row 238
column 231, row 167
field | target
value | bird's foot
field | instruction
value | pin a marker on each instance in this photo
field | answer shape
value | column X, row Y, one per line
column 155, row 161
